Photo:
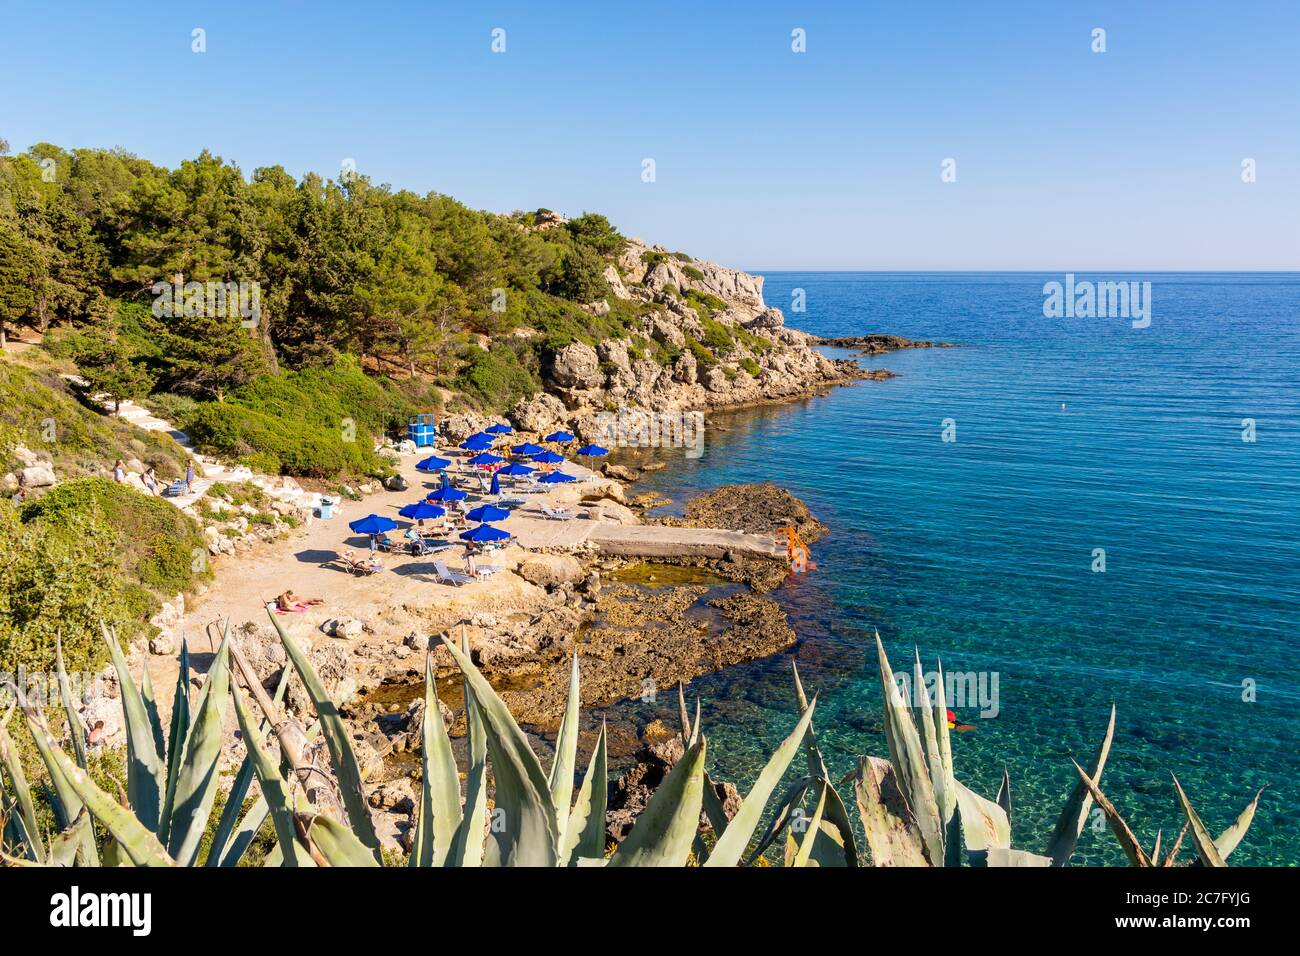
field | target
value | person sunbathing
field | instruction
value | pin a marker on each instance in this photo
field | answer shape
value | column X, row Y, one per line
column 288, row 601
column 370, row 564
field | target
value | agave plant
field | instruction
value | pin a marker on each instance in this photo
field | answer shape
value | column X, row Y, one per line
column 171, row 779
column 915, row 811
column 912, row 809
column 321, row 818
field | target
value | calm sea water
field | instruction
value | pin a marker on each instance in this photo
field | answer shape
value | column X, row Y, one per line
column 1071, row 435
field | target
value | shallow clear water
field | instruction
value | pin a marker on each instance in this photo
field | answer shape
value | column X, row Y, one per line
column 981, row 550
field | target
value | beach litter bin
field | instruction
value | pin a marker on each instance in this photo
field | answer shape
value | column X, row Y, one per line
column 327, row 507
column 421, row 430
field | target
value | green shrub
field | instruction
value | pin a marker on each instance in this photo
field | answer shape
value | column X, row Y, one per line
column 693, row 273
column 495, row 378
column 703, row 356
column 157, row 540
column 716, row 335
column 315, row 422
column 750, row 366
column 89, row 550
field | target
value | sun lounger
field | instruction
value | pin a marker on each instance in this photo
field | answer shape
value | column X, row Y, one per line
column 556, row 514
column 421, row 546
column 362, row 566
column 447, row 576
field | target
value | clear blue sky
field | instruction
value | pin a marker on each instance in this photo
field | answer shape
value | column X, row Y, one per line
column 766, row 159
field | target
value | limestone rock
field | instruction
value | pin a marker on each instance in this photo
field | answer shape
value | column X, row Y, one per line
column 577, row 366
column 550, row 570
column 162, row 644
column 541, row 413
column 38, row 476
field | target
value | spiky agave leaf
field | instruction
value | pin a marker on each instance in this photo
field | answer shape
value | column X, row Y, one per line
column 1228, row 840
column 467, row 846
column 665, row 830
column 908, row 758
column 145, row 774
column 683, row 716
column 331, row 843
column 1003, row 798
column 1137, row 856
column 1172, row 856
column 63, row 798
column 804, row 855
column 529, row 834
column 134, row 839
column 1205, row 848
column 732, row 843
column 23, row 803
column 65, row 845
column 789, row 802
column 837, row 814
column 155, row 722
column 179, row 729
column 274, row 789
column 342, row 758
column 893, row 838
column 76, row 729
column 584, row 834
column 923, row 703
column 196, row 779
column 1001, row 856
column 984, row 824
column 560, row 780
column 217, row 855
column 1065, row 837
column 439, row 808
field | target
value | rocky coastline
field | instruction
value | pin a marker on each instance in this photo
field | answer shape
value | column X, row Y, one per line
column 639, row 628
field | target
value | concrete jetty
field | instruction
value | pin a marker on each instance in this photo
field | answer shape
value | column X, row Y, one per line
column 637, row 540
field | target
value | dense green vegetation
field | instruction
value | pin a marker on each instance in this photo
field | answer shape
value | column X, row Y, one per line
column 89, row 550
column 201, row 284
column 39, row 411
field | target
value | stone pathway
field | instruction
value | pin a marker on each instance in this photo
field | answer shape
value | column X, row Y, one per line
column 207, row 471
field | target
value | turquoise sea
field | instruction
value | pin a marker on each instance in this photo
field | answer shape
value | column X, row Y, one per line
column 1071, row 435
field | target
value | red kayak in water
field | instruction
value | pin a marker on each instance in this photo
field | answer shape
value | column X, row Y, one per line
column 953, row 724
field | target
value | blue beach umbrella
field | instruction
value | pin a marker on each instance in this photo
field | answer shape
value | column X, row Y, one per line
column 555, row 478
column 558, row 436
column 446, row 493
column 484, row 532
column 485, row 458
column 548, row 458
column 488, row 513
column 528, row 448
column 494, row 488
column 592, row 451
column 477, row 443
column 372, row 524
column 433, row 463
column 499, row 429
column 421, row 510
column 515, row 470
